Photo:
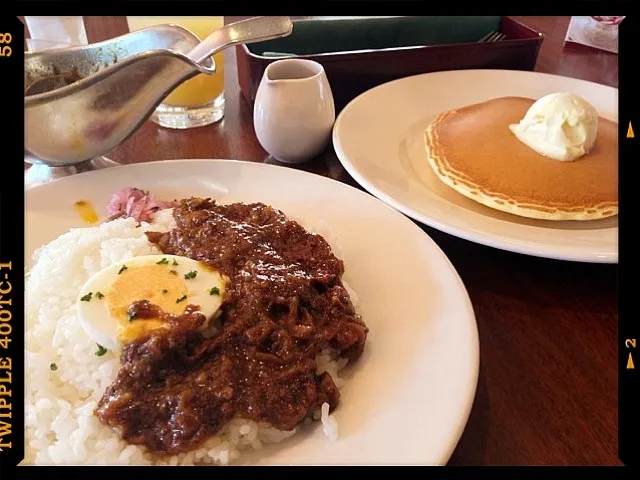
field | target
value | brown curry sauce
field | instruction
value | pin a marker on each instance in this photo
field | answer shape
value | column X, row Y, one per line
column 284, row 305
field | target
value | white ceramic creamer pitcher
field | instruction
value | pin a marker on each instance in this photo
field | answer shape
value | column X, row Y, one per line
column 294, row 111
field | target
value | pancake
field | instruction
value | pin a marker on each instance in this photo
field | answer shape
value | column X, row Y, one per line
column 472, row 150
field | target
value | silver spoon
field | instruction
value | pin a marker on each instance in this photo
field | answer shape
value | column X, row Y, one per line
column 251, row 30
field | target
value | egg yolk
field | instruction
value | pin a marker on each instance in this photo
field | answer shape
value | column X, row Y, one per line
column 158, row 284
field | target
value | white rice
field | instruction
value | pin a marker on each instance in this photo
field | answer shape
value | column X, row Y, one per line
column 61, row 428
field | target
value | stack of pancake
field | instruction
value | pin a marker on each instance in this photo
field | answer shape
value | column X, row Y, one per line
column 472, row 150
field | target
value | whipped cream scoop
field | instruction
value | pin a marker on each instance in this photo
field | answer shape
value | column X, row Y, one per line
column 561, row 126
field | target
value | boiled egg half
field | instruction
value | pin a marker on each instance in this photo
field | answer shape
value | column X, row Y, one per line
column 170, row 282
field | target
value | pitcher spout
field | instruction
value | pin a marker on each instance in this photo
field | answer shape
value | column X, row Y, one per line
column 292, row 70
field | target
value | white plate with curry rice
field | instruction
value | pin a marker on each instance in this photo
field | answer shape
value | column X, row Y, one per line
column 238, row 313
column 498, row 157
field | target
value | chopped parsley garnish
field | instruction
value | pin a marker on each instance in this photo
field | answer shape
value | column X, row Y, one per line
column 87, row 297
column 164, row 290
column 173, row 271
column 53, row 367
column 191, row 274
column 181, row 299
column 214, row 291
column 174, row 262
column 164, row 261
column 101, row 350
column 122, row 269
column 99, row 295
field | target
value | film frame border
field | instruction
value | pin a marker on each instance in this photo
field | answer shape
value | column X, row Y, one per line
column 12, row 409
column 628, row 332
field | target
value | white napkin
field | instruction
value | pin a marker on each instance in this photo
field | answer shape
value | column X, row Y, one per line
column 55, row 32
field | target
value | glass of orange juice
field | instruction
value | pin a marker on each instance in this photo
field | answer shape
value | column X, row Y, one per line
column 198, row 101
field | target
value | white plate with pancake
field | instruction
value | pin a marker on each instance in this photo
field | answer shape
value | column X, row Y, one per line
column 379, row 139
column 407, row 399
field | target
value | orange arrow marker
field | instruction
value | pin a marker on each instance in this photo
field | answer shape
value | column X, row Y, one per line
column 630, row 132
column 630, row 363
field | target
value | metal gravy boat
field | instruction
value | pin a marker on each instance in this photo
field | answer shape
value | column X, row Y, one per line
column 81, row 102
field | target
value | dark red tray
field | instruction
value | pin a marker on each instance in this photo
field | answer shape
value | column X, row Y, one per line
column 354, row 71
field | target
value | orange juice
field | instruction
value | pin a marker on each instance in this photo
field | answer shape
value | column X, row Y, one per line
column 201, row 89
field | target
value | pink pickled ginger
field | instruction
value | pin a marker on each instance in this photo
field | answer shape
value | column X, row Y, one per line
column 136, row 203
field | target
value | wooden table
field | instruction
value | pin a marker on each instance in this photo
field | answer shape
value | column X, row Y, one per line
column 547, row 390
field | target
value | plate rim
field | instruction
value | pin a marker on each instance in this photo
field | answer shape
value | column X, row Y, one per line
column 513, row 247
column 456, row 430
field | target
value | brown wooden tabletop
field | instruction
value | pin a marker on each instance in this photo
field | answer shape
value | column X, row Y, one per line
column 547, row 388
